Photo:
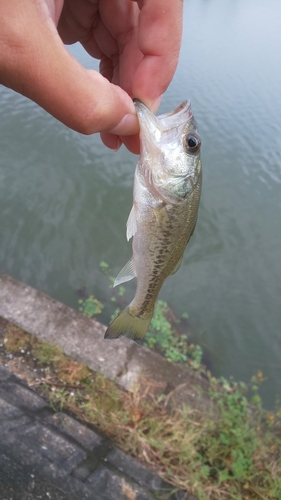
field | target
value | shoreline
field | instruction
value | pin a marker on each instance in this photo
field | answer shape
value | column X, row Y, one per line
column 81, row 338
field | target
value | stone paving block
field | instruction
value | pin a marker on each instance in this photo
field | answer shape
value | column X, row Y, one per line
column 4, row 374
column 80, row 433
column 143, row 476
column 7, row 410
column 23, row 469
column 37, row 481
column 53, row 446
column 22, row 451
column 24, row 397
column 83, row 471
column 111, row 486
column 93, row 460
column 10, row 427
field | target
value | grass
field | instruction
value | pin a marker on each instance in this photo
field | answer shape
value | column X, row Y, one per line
column 162, row 334
column 235, row 455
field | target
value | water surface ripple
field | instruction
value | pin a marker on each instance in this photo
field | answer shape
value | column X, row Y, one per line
column 65, row 198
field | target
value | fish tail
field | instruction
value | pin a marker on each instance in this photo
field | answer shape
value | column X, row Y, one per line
column 129, row 325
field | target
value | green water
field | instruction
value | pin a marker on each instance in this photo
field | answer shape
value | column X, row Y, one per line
column 65, row 198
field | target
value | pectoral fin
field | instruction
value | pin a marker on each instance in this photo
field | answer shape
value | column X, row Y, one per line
column 126, row 274
column 131, row 224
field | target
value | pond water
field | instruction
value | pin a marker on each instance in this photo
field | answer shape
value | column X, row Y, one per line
column 65, row 198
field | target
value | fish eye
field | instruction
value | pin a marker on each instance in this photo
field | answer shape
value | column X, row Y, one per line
column 192, row 142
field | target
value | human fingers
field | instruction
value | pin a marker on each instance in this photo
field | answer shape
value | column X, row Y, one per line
column 112, row 141
column 159, row 40
column 34, row 62
column 148, row 37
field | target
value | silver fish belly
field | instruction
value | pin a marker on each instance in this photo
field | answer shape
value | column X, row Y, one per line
column 167, row 188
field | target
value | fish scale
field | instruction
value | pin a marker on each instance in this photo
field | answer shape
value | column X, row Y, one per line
column 167, row 188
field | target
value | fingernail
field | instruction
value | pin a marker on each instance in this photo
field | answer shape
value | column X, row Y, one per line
column 129, row 125
column 119, row 144
column 155, row 105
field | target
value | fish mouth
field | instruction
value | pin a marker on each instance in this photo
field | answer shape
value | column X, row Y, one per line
column 178, row 116
column 149, row 124
column 159, row 129
column 166, row 121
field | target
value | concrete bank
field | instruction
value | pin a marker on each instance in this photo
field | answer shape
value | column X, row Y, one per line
column 81, row 338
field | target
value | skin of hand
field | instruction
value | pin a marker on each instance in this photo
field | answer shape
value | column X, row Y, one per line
column 137, row 42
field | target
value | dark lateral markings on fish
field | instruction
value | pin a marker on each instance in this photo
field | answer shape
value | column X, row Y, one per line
column 167, row 188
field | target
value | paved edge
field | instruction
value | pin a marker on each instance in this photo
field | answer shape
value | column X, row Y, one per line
column 81, row 338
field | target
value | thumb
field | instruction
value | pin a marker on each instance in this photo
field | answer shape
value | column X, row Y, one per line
column 35, row 62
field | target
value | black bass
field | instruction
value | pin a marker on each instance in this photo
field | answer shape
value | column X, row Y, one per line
column 167, row 189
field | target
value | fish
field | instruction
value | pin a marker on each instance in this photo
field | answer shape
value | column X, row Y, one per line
column 166, row 196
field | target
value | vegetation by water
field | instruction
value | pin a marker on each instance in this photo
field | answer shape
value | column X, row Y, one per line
column 232, row 454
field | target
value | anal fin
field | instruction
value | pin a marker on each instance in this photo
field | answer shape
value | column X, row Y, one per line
column 126, row 274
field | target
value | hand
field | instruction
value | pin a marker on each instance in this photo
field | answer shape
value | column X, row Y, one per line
column 137, row 43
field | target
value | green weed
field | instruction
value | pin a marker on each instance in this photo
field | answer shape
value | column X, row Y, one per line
column 165, row 338
column 90, row 306
column 46, row 353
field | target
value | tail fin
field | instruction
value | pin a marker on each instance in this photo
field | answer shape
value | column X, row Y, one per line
column 129, row 325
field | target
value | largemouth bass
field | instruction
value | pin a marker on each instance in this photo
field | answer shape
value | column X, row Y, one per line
column 167, row 187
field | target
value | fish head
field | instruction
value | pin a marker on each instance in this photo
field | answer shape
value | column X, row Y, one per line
column 170, row 151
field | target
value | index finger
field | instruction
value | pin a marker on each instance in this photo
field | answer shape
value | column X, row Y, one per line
column 159, row 39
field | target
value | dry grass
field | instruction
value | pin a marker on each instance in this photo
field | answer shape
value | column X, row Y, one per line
column 236, row 456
